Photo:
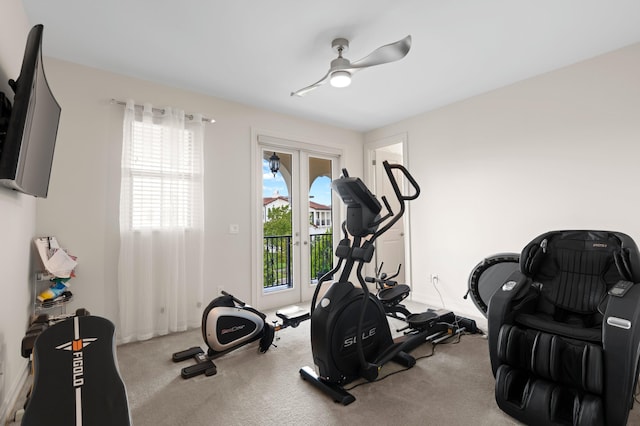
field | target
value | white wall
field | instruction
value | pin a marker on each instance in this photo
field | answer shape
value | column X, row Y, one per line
column 558, row 151
column 82, row 207
column 17, row 226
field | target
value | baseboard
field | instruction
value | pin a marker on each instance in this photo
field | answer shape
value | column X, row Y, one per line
column 9, row 403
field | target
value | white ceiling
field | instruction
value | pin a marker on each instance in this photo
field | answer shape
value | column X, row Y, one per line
column 257, row 52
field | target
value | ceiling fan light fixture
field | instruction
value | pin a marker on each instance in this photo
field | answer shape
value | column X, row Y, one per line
column 340, row 78
column 341, row 68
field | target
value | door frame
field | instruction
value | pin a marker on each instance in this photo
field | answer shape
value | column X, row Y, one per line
column 370, row 148
column 259, row 138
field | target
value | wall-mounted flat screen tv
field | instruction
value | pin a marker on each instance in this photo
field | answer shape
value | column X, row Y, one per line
column 27, row 144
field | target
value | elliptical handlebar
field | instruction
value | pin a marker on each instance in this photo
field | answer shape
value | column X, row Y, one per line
column 396, row 274
column 381, row 282
column 388, row 168
column 382, row 279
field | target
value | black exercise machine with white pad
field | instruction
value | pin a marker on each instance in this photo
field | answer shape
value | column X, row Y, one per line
column 76, row 378
column 228, row 323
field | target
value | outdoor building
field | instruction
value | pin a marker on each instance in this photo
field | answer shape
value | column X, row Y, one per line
column 319, row 214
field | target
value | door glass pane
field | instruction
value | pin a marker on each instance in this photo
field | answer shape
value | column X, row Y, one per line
column 277, row 222
column 320, row 218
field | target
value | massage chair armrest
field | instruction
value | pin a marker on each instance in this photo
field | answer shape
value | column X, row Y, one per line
column 500, row 310
column 621, row 345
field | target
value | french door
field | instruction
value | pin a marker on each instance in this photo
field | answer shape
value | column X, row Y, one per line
column 295, row 226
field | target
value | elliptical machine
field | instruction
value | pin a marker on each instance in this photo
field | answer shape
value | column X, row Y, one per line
column 350, row 335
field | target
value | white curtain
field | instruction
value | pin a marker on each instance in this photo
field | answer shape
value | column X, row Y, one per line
column 160, row 271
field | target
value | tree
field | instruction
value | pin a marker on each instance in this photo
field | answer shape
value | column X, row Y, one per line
column 321, row 254
column 278, row 222
column 277, row 233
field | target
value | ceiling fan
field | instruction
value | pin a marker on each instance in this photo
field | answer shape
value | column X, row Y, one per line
column 341, row 70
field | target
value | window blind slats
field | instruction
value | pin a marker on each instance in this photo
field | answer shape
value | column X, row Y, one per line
column 163, row 176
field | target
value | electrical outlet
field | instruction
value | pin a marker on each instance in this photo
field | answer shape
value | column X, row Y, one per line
column 234, row 228
column 435, row 279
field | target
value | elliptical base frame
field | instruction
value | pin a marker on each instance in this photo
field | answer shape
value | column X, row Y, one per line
column 337, row 392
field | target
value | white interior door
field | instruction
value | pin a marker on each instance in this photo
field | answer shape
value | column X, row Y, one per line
column 390, row 246
column 294, row 243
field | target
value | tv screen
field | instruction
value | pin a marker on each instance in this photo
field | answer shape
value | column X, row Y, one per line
column 26, row 153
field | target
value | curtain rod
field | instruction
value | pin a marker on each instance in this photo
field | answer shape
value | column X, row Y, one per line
column 161, row 111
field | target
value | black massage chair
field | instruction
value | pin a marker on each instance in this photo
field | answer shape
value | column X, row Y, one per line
column 564, row 330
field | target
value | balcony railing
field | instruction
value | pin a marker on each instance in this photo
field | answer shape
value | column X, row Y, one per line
column 277, row 261
column 321, row 255
column 277, row 268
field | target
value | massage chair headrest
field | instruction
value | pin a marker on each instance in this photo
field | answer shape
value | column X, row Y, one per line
column 622, row 248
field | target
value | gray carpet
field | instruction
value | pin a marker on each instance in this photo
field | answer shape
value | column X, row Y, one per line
column 452, row 387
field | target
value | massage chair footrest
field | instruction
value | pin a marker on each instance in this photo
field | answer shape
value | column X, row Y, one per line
column 535, row 401
column 568, row 362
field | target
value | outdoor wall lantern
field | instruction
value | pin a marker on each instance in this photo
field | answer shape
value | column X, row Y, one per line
column 274, row 164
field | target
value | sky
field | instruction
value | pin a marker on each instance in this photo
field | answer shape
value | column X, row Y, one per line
column 320, row 189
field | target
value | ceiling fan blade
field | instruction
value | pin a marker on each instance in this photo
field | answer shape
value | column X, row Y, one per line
column 385, row 54
column 307, row 89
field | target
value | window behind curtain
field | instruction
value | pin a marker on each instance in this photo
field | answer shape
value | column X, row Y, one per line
column 163, row 178
column 160, row 264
